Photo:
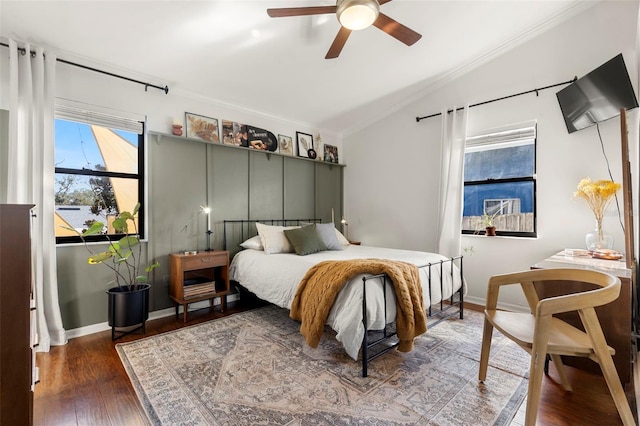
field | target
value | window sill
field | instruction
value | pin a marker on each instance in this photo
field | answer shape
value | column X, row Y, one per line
column 508, row 237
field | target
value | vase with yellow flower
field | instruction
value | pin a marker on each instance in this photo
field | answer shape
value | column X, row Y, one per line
column 598, row 196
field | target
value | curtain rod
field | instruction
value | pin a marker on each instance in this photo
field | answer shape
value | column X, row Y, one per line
column 501, row 99
column 165, row 89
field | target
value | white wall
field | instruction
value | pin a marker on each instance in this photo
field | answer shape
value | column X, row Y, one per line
column 93, row 88
column 391, row 184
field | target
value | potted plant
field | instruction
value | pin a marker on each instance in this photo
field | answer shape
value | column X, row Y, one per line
column 129, row 298
column 489, row 226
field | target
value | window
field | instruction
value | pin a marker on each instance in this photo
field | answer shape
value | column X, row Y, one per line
column 99, row 170
column 499, row 181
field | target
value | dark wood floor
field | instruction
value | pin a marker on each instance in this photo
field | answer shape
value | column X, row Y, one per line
column 84, row 383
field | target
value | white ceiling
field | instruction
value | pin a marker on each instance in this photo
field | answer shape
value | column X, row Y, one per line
column 231, row 51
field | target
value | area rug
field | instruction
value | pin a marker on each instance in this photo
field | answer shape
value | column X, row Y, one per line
column 253, row 368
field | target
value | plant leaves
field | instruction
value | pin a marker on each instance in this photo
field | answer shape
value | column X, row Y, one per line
column 120, row 225
column 129, row 241
column 136, row 208
column 141, row 279
column 99, row 258
column 124, row 257
column 94, row 229
column 152, row 267
column 126, row 216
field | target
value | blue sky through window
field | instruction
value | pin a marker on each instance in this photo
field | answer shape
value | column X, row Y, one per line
column 76, row 148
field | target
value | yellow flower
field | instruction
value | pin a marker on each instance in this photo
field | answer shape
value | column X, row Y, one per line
column 597, row 194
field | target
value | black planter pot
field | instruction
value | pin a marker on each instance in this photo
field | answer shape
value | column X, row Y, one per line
column 128, row 308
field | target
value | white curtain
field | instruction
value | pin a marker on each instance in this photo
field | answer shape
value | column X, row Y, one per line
column 453, row 133
column 31, row 175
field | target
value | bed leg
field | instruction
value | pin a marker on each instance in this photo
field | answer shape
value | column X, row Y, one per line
column 365, row 343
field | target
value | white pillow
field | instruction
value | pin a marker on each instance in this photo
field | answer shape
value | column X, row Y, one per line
column 342, row 239
column 254, row 243
column 273, row 238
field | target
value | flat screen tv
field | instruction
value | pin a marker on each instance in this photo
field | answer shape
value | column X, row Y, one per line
column 597, row 96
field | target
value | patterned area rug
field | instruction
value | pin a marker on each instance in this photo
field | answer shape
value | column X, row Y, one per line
column 253, row 368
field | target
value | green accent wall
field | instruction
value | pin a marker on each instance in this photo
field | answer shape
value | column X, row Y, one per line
column 184, row 174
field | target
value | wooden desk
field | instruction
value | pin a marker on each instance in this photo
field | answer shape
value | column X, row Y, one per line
column 615, row 317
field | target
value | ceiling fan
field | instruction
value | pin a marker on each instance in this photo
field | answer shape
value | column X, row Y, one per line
column 353, row 15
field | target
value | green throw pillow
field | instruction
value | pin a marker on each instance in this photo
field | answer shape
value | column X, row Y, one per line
column 305, row 240
column 327, row 233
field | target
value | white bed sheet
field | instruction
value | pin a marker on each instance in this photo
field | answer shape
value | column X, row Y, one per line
column 275, row 278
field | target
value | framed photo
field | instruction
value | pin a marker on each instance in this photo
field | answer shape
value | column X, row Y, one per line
column 234, row 133
column 261, row 139
column 286, row 144
column 201, row 127
column 330, row 153
column 305, row 145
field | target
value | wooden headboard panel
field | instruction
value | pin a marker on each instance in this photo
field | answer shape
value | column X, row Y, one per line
column 236, row 231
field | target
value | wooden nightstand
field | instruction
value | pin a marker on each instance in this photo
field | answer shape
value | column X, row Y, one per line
column 200, row 276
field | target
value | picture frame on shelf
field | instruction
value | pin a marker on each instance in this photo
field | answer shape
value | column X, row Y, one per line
column 234, row 133
column 201, row 127
column 262, row 139
column 285, row 143
column 330, row 153
column 305, row 145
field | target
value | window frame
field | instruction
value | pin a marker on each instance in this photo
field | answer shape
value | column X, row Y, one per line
column 139, row 176
column 493, row 181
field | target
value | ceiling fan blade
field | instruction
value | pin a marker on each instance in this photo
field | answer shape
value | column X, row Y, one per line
column 300, row 11
column 338, row 43
column 396, row 29
column 381, row 2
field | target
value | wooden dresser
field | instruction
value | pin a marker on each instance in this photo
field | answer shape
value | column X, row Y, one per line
column 18, row 373
column 615, row 317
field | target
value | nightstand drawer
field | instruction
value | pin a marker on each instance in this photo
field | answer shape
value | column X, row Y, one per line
column 208, row 260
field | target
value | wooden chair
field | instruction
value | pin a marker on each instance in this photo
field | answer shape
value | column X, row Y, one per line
column 539, row 333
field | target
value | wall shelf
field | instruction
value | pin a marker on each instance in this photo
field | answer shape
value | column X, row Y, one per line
column 160, row 135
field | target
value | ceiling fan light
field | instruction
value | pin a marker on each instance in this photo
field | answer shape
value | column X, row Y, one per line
column 357, row 14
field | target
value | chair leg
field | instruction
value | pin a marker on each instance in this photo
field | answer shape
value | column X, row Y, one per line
column 487, row 333
column 617, row 392
column 592, row 326
column 536, row 371
column 557, row 361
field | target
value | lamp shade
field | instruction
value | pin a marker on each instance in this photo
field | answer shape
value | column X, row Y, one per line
column 357, row 14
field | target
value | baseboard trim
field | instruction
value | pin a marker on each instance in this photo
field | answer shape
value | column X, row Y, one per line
column 162, row 313
column 505, row 306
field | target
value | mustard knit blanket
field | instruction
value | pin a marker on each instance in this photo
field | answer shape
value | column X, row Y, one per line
column 321, row 284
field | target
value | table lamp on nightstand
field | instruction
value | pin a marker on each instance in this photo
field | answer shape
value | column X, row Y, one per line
column 345, row 227
column 207, row 210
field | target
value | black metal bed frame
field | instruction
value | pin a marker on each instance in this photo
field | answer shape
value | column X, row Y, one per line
column 441, row 314
column 389, row 332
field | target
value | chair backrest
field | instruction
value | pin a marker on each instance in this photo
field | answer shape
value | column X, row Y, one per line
column 608, row 289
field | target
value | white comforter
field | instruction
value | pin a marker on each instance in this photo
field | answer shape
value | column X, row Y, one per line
column 275, row 278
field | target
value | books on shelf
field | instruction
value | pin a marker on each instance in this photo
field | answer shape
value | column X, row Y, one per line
column 199, row 289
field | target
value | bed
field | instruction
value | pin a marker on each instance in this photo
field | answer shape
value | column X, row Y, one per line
column 273, row 275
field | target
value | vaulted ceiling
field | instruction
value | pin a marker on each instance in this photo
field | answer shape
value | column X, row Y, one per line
column 231, row 51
